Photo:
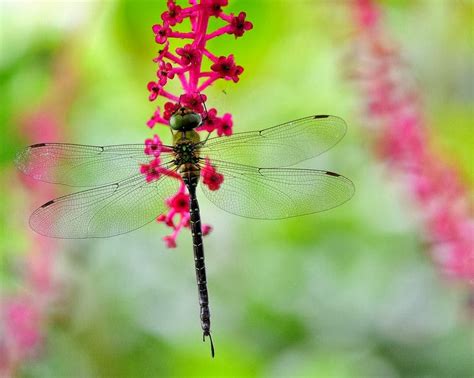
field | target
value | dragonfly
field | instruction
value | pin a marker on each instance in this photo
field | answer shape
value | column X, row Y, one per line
column 259, row 181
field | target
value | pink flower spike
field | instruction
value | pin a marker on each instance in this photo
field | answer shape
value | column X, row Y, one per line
column 403, row 139
column 162, row 32
column 238, row 25
column 225, row 126
column 170, row 108
column 185, row 64
column 210, row 177
column 174, row 15
column 155, row 89
column 226, row 68
column 153, row 146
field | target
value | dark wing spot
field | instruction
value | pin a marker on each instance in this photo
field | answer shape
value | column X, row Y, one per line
column 47, row 204
column 38, row 145
column 320, row 116
column 332, row 174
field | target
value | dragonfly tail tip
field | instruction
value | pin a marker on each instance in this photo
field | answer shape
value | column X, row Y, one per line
column 212, row 343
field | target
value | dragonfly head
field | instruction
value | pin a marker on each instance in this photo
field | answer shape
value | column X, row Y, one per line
column 184, row 119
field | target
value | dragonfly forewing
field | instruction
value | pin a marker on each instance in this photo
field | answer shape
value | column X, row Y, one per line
column 81, row 165
column 282, row 146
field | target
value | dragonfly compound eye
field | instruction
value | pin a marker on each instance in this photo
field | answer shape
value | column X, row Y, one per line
column 185, row 120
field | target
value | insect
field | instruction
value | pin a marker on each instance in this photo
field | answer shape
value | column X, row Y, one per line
column 118, row 199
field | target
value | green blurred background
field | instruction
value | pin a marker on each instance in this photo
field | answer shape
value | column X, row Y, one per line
column 345, row 293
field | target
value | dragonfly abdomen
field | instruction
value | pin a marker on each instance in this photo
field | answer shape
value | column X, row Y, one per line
column 190, row 172
column 190, row 176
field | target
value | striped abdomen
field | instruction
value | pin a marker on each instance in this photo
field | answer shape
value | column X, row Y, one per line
column 190, row 175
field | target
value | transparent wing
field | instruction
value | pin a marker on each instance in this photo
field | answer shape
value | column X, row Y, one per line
column 283, row 145
column 81, row 165
column 277, row 193
column 104, row 211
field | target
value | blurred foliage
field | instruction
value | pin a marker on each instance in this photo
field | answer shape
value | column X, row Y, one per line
column 351, row 292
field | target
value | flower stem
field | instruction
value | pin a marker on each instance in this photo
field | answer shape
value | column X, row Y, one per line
column 217, row 32
column 199, row 43
column 208, row 82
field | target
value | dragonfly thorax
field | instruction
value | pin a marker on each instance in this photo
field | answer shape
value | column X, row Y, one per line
column 184, row 119
column 185, row 153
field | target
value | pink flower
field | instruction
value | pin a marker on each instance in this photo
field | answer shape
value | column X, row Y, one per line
column 162, row 53
column 167, row 219
column 215, row 6
column 238, row 25
column 162, row 32
column 210, row 177
column 152, row 171
column 189, row 55
column 154, row 119
column 224, row 127
column 170, row 109
column 153, row 146
column 206, row 229
column 193, row 101
column 210, row 121
column 179, row 202
column 154, row 89
column 22, row 321
column 368, row 14
column 226, row 68
column 170, row 241
column 173, row 16
column 164, row 73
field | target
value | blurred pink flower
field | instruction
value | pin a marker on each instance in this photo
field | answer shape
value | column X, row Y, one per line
column 24, row 314
column 153, row 146
column 22, row 321
column 402, row 138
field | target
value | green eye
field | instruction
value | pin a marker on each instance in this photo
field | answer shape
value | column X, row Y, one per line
column 185, row 122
